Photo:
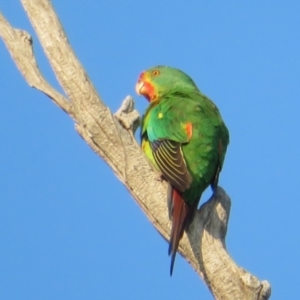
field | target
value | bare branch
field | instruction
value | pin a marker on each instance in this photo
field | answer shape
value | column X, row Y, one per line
column 111, row 137
column 19, row 45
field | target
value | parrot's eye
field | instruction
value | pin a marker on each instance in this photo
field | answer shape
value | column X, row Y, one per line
column 155, row 73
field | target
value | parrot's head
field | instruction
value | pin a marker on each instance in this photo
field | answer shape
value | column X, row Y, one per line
column 160, row 81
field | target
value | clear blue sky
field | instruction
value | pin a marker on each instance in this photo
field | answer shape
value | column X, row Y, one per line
column 70, row 230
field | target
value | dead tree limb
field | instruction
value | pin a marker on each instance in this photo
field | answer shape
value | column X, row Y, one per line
column 111, row 137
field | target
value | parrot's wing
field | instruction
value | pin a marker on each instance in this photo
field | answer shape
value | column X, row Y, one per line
column 167, row 128
column 169, row 158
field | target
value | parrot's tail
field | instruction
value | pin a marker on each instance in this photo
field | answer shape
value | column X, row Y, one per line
column 181, row 215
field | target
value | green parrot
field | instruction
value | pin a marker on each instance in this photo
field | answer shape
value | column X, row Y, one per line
column 184, row 137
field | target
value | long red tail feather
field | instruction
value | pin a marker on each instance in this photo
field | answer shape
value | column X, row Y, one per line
column 181, row 214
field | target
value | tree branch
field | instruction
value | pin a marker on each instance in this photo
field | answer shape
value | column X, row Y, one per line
column 19, row 45
column 111, row 137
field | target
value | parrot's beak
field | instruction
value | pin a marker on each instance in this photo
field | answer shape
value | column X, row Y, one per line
column 140, row 85
column 143, row 87
column 140, row 88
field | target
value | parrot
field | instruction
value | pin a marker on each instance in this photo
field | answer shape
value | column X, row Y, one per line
column 185, row 138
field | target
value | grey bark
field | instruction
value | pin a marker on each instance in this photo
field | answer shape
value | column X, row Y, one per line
column 111, row 137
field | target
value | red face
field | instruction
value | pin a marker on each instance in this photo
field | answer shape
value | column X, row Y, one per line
column 144, row 87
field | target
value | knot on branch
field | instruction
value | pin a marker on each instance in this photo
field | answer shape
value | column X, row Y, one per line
column 127, row 115
column 24, row 36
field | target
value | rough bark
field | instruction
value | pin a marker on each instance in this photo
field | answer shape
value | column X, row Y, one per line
column 111, row 137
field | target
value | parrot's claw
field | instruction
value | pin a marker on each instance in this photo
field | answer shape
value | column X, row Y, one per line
column 159, row 177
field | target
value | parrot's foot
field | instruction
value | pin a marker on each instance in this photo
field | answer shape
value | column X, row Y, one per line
column 128, row 117
column 159, row 177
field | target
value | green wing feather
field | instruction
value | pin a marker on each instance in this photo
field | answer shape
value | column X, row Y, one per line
column 169, row 158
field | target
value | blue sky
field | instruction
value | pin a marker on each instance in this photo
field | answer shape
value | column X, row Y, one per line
column 70, row 230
